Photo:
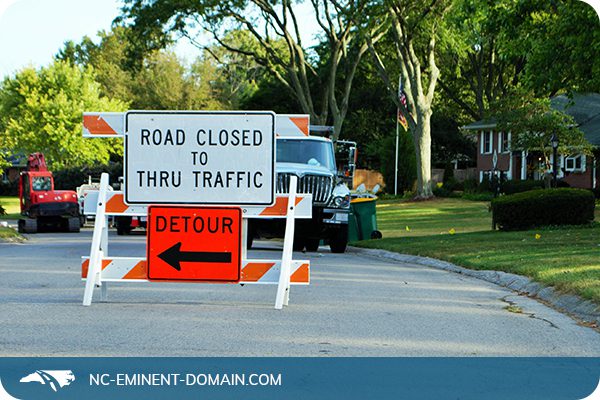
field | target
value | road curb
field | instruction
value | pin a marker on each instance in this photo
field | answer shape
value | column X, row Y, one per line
column 573, row 305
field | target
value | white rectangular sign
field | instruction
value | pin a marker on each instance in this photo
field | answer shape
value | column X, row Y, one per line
column 195, row 157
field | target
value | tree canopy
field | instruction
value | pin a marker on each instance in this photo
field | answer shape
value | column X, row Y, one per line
column 532, row 123
column 320, row 81
column 42, row 110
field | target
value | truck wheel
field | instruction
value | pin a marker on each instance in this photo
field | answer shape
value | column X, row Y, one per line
column 123, row 225
column 312, row 244
column 339, row 240
column 74, row 224
column 28, row 225
column 298, row 243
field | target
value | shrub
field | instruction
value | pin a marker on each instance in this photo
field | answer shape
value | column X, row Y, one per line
column 536, row 208
column 71, row 178
column 9, row 188
column 448, row 173
column 441, row 192
column 2, row 210
column 470, row 185
column 512, row 187
column 483, row 196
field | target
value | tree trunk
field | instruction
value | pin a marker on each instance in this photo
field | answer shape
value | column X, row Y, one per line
column 422, row 140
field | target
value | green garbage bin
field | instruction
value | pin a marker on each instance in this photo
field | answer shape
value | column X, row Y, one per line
column 364, row 212
column 353, row 233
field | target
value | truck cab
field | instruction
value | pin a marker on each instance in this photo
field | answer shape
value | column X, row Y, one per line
column 312, row 160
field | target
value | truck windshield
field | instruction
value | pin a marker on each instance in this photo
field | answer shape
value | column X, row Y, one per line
column 41, row 183
column 310, row 152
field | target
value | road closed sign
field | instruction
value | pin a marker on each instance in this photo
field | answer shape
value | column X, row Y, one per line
column 186, row 157
column 200, row 244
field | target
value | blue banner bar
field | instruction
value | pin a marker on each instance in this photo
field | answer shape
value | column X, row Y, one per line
column 298, row 378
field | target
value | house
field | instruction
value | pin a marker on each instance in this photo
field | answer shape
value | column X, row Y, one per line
column 576, row 170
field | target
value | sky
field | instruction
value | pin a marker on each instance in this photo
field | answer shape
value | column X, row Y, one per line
column 33, row 31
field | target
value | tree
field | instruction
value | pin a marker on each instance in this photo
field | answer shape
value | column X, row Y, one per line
column 271, row 24
column 545, row 46
column 41, row 110
column 532, row 122
column 161, row 81
column 415, row 30
column 108, row 58
column 561, row 42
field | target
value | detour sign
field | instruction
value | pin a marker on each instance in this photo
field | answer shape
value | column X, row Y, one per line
column 200, row 244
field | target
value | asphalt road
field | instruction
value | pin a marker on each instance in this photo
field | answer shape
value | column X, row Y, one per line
column 355, row 306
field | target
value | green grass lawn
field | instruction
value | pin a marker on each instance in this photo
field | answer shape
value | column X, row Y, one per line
column 8, row 233
column 11, row 205
column 567, row 258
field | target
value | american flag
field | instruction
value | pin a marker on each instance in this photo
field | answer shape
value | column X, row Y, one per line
column 402, row 99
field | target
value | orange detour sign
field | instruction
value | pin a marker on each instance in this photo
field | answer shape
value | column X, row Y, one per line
column 198, row 244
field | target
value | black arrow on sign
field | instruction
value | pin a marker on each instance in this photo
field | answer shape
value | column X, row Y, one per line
column 173, row 256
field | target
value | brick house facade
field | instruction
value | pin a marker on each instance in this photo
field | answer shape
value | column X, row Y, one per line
column 577, row 170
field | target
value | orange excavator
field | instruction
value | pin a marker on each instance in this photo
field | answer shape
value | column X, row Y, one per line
column 42, row 207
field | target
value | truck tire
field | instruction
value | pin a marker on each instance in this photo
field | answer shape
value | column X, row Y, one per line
column 298, row 243
column 28, row 225
column 74, row 224
column 339, row 240
column 123, row 225
column 312, row 244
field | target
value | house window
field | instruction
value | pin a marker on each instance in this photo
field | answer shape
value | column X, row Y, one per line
column 575, row 163
column 486, row 142
column 504, row 142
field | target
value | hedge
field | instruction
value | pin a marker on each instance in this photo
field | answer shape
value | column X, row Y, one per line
column 513, row 186
column 71, row 178
column 563, row 206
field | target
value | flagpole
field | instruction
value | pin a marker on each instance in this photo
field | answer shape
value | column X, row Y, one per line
column 396, row 159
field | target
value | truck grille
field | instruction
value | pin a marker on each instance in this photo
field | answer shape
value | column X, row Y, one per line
column 319, row 186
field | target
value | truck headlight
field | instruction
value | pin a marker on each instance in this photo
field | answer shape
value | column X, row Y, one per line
column 341, row 201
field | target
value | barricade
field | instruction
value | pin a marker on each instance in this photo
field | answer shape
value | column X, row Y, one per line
column 99, row 267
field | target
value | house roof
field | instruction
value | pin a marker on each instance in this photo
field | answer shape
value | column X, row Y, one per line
column 584, row 108
column 16, row 160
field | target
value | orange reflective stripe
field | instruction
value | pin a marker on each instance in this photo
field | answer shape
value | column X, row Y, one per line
column 116, row 204
column 301, row 123
column 252, row 272
column 86, row 265
column 139, row 271
column 301, row 274
column 280, row 206
column 96, row 125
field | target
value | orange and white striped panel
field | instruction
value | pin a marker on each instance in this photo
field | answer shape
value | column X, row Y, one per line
column 266, row 272
column 103, row 124
column 112, row 124
column 261, row 272
column 115, row 205
column 292, row 125
column 279, row 209
column 133, row 269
